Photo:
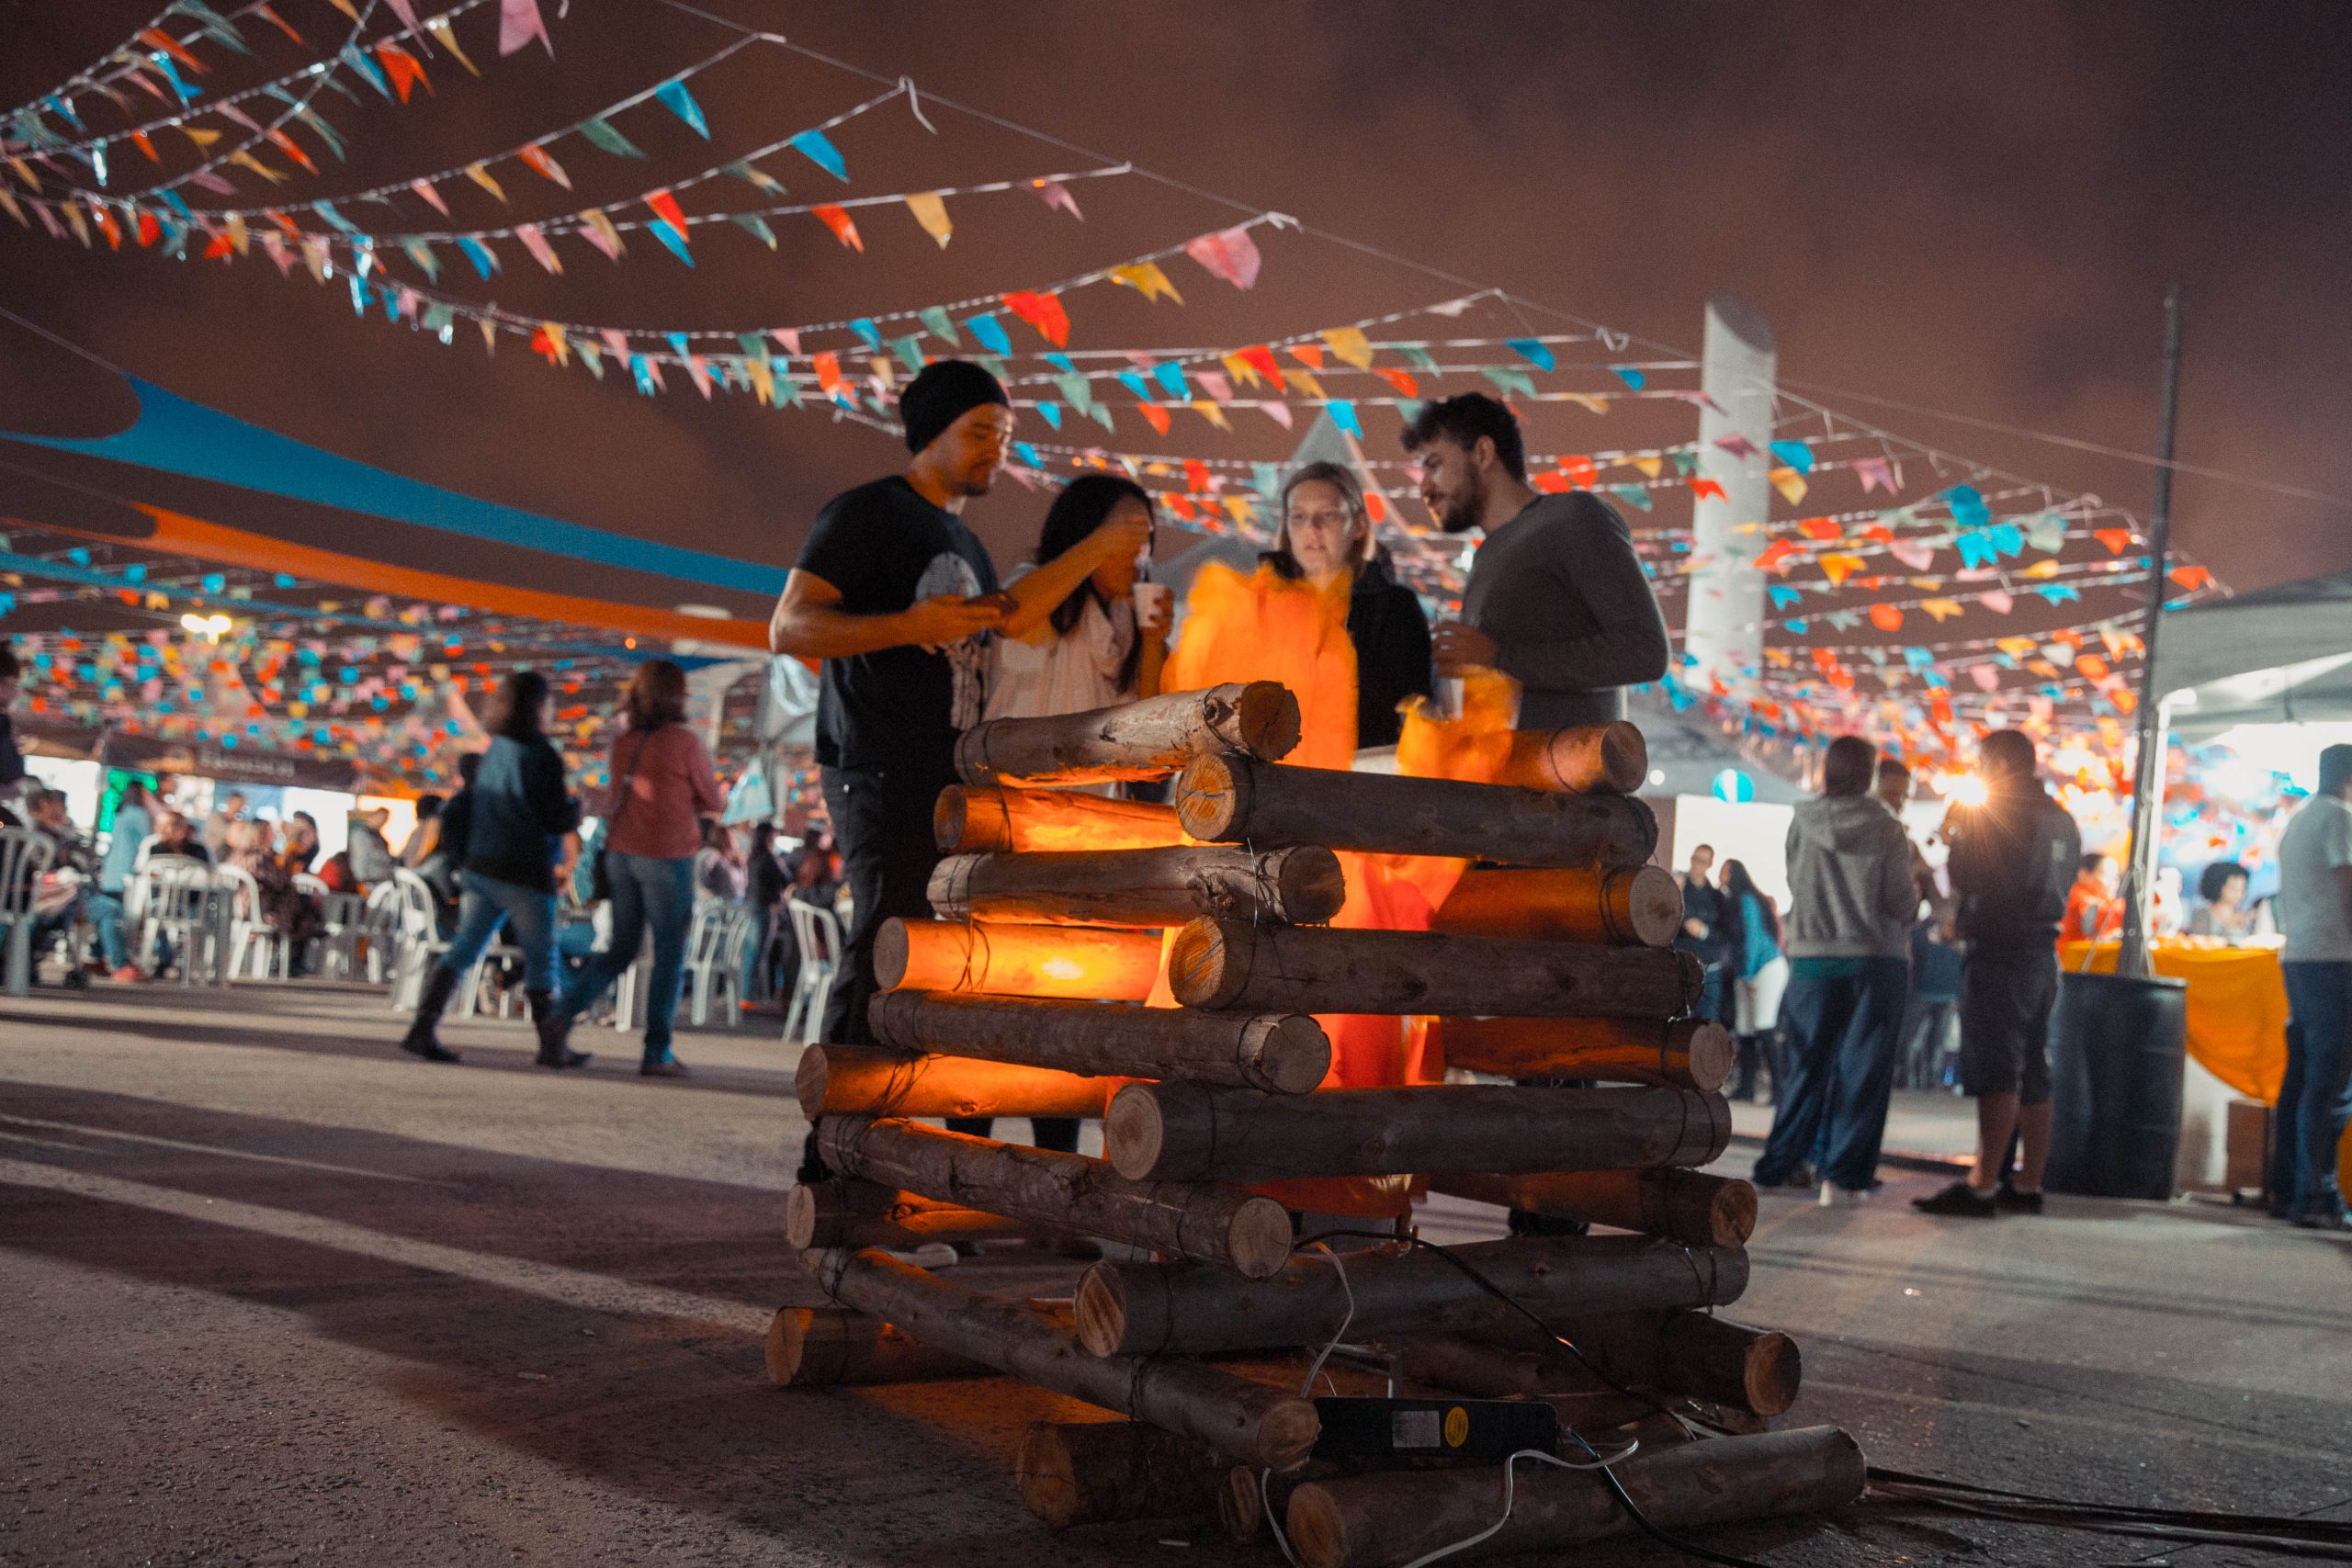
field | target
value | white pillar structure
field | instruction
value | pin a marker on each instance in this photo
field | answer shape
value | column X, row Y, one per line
column 1724, row 628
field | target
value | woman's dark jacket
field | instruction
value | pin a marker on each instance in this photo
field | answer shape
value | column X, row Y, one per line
column 520, row 813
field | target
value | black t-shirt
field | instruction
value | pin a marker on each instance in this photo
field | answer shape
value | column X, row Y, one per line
column 886, row 547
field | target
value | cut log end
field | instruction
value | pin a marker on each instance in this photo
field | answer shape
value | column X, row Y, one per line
column 1210, row 797
column 1713, row 1054
column 1097, row 1472
column 1775, row 1368
column 892, row 949
column 1287, row 1054
column 1258, row 1239
column 1266, row 720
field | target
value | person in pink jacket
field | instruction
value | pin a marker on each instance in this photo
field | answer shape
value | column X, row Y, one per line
column 661, row 787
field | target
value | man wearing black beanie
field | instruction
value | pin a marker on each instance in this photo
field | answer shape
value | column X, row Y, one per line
column 899, row 599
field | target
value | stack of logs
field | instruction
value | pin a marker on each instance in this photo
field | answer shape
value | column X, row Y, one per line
column 1548, row 962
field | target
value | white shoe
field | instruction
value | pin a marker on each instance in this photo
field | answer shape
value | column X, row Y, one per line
column 1835, row 1197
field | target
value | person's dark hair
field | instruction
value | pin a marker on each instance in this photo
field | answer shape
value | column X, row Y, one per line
column 136, row 792
column 1463, row 420
column 1849, row 767
column 2216, row 878
column 763, row 839
column 2009, row 753
column 1891, row 767
column 513, row 710
column 2092, row 862
column 467, row 766
column 2335, row 768
column 656, row 695
column 49, row 798
column 11, row 667
column 1084, row 504
column 1737, row 885
column 429, row 806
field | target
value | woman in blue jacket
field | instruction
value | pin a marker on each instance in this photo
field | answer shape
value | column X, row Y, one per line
column 519, row 818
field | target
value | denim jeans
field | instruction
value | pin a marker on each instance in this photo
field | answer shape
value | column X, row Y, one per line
column 2311, row 1103
column 1842, row 1034
column 647, row 893
column 483, row 904
column 114, row 944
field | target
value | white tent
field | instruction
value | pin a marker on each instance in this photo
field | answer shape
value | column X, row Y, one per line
column 2280, row 655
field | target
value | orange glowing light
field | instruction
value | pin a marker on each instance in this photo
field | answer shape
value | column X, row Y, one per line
column 1077, row 963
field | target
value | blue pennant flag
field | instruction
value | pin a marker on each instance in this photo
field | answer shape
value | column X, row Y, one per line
column 1631, row 376
column 989, row 332
column 813, row 145
column 1171, row 375
column 1797, row 455
column 1051, row 412
column 1343, row 414
column 680, row 102
column 1968, row 508
column 1535, row 351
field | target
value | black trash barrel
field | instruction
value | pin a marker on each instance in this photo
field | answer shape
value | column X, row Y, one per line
column 2116, row 1052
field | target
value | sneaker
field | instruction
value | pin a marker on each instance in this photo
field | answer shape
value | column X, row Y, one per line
column 1835, row 1197
column 2324, row 1222
column 1961, row 1201
column 2012, row 1200
column 126, row 975
column 668, row 1067
column 1802, row 1178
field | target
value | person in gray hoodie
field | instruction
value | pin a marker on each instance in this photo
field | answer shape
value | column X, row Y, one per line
column 1851, row 901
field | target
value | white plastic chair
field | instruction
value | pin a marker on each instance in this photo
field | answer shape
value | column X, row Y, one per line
column 343, row 922
column 174, row 897
column 713, row 962
column 257, row 951
column 379, row 929
column 24, row 855
column 417, row 939
column 818, row 933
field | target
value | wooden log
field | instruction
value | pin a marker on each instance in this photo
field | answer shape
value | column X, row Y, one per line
column 1253, row 1422
column 1283, row 1052
column 1147, row 1309
column 1236, row 799
column 1637, row 906
column 862, row 1080
column 1145, row 739
column 1228, row 964
column 1297, row 884
column 1688, row 1051
column 1388, row 1519
column 1583, row 759
column 1088, row 1472
column 987, row 819
column 1712, row 1358
column 1687, row 1205
column 828, row 1347
column 1173, row 1131
column 1210, row 1224
column 1082, row 963
column 827, row 1214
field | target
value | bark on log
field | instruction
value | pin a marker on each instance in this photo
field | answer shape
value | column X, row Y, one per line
column 1687, row 1205
column 1688, row 1052
column 1639, row 905
column 1583, row 759
column 1210, row 1224
column 827, row 1347
column 829, row 1214
column 1145, row 739
column 1384, row 1520
column 1081, row 962
column 987, row 819
column 1255, row 1422
column 860, row 1080
column 1234, row 799
column 1171, row 1131
column 1229, row 965
column 1297, row 885
column 1753, row 1370
column 1285, row 1053
column 1088, row 1472
column 1147, row 1309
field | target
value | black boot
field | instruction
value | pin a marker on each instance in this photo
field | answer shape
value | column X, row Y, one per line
column 554, row 1029
column 440, row 984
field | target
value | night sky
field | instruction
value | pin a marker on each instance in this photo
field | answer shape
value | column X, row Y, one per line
column 1971, row 206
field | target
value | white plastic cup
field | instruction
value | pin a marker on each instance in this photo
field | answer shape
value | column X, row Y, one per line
column 1150, row 598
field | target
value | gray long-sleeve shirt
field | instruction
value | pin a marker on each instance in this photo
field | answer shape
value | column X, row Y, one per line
column 1561, row 592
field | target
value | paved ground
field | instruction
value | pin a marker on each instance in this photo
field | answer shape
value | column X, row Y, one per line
column 276, row 1294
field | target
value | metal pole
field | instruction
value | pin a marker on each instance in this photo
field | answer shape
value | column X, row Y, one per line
column 2148, row 775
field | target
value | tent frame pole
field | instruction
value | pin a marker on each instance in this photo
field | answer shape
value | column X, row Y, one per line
column 2148, row 773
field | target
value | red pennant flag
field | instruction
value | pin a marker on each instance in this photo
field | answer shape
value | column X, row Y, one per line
column 1580, row 471
column 1553, row 483
column 1886, row 617
column 1702, row 489
column 139, row 140
column 2190, row 577
column 1819, row 529
column 837, row 218
column 1776, row 556
column 403, row 69
column 1307, row 353
column 264, row 11
column 1154, row 416
column 665, row 207
column 1044, row 312
column 1260, row 359
column 1197, row 474
column 107, row 226
column 292, row 148
column 156, row 38
column 1375, row 506
column 536, row 158
column 1402, row 380
column 148, row 229
column 2117, row 540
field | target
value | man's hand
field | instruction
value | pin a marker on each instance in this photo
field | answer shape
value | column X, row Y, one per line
column 950, row 617
column 1459, row 647
column 1695, row 928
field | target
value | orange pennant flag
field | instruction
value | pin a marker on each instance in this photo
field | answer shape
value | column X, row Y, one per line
column 403, row 68
column 1307, row 353
column 1838, row 567
column 539, row 159
column 1044, row 312
column 1155, row 416
column 1886, row 617
column 837, row 218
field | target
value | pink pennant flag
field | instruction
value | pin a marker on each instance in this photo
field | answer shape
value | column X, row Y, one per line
column 406, row 11
column 1737, row 445
column 1875, row 473
column 788, row 339
column 1214, row 384
column 432, row 197
column 518, row 22
column 615, row 344
column 537, row 244
column 207, row 179
column 1913, row 554
column 1230, row 254
column 699, row 369
column 1053, row 193
column 1277, row 411
column 1997, row 601
column 1986, row 677
column 228, row 110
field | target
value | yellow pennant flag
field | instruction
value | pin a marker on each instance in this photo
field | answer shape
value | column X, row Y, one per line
column 1650, row 465
column 345, row 7
column 2016, row 647
column 762, row 373
column 2042, row 568
column 931, row 211
column 1307, row 384
column 1210, row 411
column 1941, row 609
column 883, row 373
column 237, row 234
column 1838, row 567
column 74, row 219
column 246, row 160
column 202, row 138
column 481, row 176
column 24, row 172
column 1147, row 280
column 560, row 345
column 1240, row 509
column 1241, row 370
column 1586, row 399
column 447, row 36
column 1350, row 345
column 314, row 258
column 9, row 205
column 488, row 335
column 1789, row 483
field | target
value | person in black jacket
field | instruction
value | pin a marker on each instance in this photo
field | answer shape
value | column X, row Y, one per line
column 519, row 817
column 1326, row 533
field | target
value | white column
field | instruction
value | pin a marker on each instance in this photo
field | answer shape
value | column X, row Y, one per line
column 1723, row 630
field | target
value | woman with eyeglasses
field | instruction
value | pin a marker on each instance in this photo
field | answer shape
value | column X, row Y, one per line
column 1325, row 537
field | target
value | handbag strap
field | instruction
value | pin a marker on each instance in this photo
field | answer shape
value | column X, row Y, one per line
column 627, row 779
